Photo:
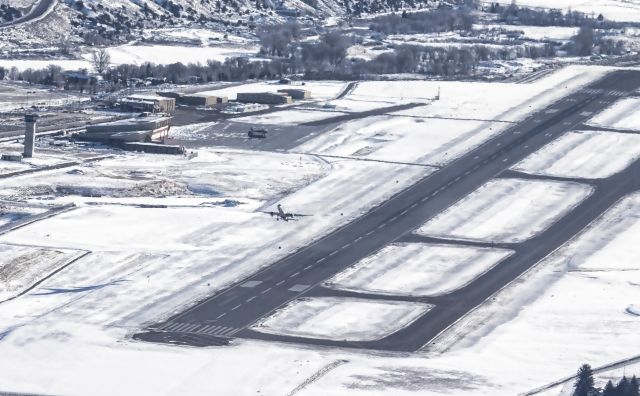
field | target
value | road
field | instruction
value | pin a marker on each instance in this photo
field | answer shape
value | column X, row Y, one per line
column 232, row 311
column 38, row 11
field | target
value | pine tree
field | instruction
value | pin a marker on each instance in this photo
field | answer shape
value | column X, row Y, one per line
column 584, row 383
column 609, row 389
column 622, row 386
column 633, row 389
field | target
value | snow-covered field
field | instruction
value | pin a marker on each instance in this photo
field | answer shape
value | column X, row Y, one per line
column 570, row 310
column 418, row 269
column 346, row 319
column 463, row 100
column 537, row 32
column 71, row 334
column 619, row 10
column 404, row 139
column 17, row 95
column 139, row 54
column 167, row 54
column 584, row 154
column 21, row 266
column 506, row 210
column 621, row 115
column 351, row 104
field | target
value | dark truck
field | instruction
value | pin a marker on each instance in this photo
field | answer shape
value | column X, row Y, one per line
column 259, row 133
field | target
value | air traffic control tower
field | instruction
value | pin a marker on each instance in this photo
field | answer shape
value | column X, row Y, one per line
column 29, row 134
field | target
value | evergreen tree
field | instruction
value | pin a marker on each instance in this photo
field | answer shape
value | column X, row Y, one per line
column 622, row 386
column 633, row 389
column 584, row 383
column 609, row 389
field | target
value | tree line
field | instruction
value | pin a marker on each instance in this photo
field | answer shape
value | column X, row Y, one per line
column 585, row 385
column 433, row 21
column 323, row 58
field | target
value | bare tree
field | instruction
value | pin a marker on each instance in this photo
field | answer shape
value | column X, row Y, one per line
column 101, row 60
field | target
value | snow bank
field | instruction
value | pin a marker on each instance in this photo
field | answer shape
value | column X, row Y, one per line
column 22, row 266
column 346, row 319
column 506, row 210
column 418, row 269
column 586, row 154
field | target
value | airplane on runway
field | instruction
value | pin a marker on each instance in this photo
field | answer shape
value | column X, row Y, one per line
column 285, row 216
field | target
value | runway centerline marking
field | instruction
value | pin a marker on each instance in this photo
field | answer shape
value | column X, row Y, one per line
column 221, row 315
column 236, row 307
column 279, row 283
column 251, row 299
column 299, row 288
column 251, row 284
column 265, row 291
column 321, row 260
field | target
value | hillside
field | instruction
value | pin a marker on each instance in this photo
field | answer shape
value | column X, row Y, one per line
column 99, row 21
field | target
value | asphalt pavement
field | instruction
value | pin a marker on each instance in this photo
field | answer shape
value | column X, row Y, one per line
column 39, row 10
column 231, row 312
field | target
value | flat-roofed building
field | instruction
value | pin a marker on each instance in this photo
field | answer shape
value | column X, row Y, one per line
column 145, row 128
column 296, row 93
column 148, row 103
column 263, row 97
column 202, row 100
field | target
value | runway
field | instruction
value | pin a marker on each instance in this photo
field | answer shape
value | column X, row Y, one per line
column 232, row 311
